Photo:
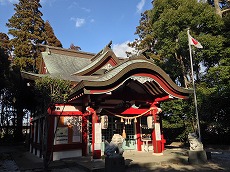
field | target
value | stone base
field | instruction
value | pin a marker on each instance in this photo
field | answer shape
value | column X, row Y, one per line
column 209, row 155
column 158, row 154
column 115, row 164
column 197, row 157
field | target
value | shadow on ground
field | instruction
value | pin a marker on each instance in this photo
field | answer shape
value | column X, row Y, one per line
column 220, row 161
column 18, row 159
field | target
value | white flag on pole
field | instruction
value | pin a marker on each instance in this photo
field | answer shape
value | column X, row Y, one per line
column 193, row 41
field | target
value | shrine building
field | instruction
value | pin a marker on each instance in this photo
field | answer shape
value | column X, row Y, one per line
column 110, row 95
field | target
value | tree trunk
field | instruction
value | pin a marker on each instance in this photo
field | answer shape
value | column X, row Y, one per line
column 186, row 83
column 185, row 80
column 217, row 7
column 18, row 135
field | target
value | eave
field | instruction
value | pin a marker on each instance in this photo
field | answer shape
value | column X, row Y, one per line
column 160, row 83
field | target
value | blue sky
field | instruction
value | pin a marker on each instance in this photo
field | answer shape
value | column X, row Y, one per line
column 90, row 24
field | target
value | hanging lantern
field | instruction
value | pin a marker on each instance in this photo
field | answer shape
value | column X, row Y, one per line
column 124, row 133
column 135, row 120
column 104, row 122
column 150, row 122
column 122, row 120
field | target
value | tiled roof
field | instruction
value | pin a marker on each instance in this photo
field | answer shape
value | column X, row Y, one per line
column 63, row 64
column 72, row 78
column 114, row 71
column 93, row 63
column 124, row 71
column 97, row 60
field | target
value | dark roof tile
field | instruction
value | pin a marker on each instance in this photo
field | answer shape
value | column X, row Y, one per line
column 62, row 64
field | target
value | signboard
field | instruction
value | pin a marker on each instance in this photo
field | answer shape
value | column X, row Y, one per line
column 76, row 134
column 61, row 135
column 157, row 131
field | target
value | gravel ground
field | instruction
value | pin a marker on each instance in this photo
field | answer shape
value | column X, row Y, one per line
column 7, row 163
column 220, row 161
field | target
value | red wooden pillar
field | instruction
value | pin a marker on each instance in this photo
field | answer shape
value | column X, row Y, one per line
column 84, row 136
column 31, row 135
column 156, row 134
column 96, row 152
column 138, row 134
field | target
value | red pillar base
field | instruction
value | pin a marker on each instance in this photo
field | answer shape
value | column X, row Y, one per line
column 157, row 147
column 96, row 154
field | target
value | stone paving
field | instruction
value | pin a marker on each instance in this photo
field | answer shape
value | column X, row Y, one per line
column 16, row 159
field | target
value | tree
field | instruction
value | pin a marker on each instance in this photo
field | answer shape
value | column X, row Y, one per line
column 4, row 60
column 214, row 92
column 27, row 28
column 163, row 30
column 10, row 90
column 51, row 39
column 52, row 90
column 48, row 92
column 221, row 6
column 214, row 95
column 4, row 42
column 177, row 120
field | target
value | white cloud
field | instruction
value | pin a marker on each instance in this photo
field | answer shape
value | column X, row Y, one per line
column 92, row 21
column 76, row 5
column 78, row 21
column 86, row 9
column 73, row 5
column 120, row 49
column 140, row 6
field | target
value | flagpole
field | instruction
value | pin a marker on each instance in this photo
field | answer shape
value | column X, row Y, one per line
column 194, row 89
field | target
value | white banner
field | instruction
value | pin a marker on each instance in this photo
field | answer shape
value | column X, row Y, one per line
column 97, row 132
column 157, row 131
column 97, row 138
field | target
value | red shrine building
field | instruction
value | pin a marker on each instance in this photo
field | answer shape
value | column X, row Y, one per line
column 110, row 95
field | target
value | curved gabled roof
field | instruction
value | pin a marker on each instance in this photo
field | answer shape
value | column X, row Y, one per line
column 63, row 64
column 98, row 62
column 151, row 78
column 138, row 76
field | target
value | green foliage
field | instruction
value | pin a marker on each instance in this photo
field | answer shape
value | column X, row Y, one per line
column 4, row 69
column 163, row 30
column 24, row 64
column 214, row 96
column 52, row 90
column 4, row 61
column 27, row 28
column 178, row 116
column 51, row 39
column 4, row 42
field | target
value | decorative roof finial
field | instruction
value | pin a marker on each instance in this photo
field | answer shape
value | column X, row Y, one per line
column 109, row 44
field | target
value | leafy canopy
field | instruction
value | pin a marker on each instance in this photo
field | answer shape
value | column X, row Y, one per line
column 163, row 29
column 52, row 90
column 27, row 28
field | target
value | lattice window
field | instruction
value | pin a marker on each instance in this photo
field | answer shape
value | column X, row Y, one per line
column 115, row 126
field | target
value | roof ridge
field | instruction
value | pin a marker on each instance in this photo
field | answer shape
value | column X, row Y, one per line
column 64, row 49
